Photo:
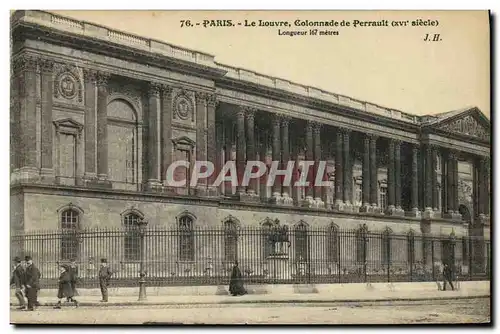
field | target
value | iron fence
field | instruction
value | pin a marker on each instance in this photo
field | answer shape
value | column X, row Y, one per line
column 205, row 256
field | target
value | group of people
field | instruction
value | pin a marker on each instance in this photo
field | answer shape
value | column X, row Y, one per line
column 26, row 281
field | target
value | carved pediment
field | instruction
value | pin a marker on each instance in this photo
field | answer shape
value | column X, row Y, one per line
column 469, row 125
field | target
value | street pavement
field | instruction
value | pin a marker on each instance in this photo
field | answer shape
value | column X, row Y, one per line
column 386, row 312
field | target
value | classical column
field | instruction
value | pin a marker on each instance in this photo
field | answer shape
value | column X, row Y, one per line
column 276, row 124
column 90, row 123
column 251, row 154
column 373, row 173
column 102, row 128
column 25, row 68
column 455, row 186
column 449, row 190
column 46, row 67
column 366, row 174
column 339, row 174
column 219, row 132
column 285, row 148
column 317, row 158
column 153, row 137
column 428, row 182
column 228, row 151
column 414, row 182
column 240, row 147
column 213, row 143
column 201, row 142
column 309, row 156
column 263, row 135
column 486, row 193
column 166, row 130
column 397, row 177
column 435, row 193
column 391, row 198
column 347, row 169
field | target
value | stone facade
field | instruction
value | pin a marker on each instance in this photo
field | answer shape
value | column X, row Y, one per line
column 97, row 116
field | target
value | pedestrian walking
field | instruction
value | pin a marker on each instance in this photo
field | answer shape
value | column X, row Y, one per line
column 236, row 287
column 74, row 276
column 447, row 276
column 32, row 283
column 65, row 286
column 17, row 280
column 104, row 277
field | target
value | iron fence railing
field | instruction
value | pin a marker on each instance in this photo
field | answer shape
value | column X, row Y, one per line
column 205, row 256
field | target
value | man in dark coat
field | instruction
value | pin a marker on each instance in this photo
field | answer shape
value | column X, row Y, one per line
column 104, row 277
column 65, row 286
column 236, row 287
column 31, row 282
column 73, row 267
column 17, row 280
column 447, row 276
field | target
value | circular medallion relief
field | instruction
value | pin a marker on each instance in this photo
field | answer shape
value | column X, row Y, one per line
column 183, row 107
column 67, row 86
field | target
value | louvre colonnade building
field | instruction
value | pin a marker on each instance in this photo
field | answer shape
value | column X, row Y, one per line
column 98, row 115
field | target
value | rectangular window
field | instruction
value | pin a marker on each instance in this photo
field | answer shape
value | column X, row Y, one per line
column 383, row 198
column 67, row 158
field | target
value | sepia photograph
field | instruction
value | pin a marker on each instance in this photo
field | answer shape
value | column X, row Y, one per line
column 250, row 167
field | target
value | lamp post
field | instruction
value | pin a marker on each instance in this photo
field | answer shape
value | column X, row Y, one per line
column 141, row 224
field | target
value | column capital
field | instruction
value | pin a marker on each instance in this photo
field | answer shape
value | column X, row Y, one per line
column 25, row 62
column 397, row 142
column 46, row 65
column 212, row 100
column 285, row 120
column 90, row 75
column 248, row 111
column 344, row 131
column 316, row 127
column 452, row 154
column 372, row 136
column 166, row 88
column 102, row 78
column 154, row 89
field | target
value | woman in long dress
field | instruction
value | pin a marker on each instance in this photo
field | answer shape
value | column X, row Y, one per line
column 236, row 287
column 65, row 286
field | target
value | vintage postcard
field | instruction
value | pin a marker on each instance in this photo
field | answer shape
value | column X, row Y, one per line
column 250, row 167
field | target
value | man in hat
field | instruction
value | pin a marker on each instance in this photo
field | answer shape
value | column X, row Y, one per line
column 104, row 276
column 73, row 267
column 31, row 282
column 17, row 280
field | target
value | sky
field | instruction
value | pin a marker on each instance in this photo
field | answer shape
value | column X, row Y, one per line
column 386, row 65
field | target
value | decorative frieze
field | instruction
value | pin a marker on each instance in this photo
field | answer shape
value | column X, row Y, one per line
column 467, row 126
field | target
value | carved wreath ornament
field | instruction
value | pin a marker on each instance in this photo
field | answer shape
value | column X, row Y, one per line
column 183, row 106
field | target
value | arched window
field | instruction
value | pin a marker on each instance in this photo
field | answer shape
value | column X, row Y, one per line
column 361, row 240
column 186, row 237
column 301, row 242
column 70, row 226
column 132, row 242
column 122, row 142
column 386, row 246
column 332, row 243
column 230, row 241
column 266, row 245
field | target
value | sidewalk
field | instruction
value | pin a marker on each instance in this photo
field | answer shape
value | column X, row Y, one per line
column 326, row 294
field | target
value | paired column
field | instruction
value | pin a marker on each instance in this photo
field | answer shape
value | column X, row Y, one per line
column 429, row 172
column 102, row 128
column 228, row 151
column 213, row 143
column 317, row 158
column 483, row 193
column 366, row 175
column 264, row 144
column 201, row 144
column 153, row 137
column 452, row 186
column 373, row 173
column 166, row 131
column 390, row 180
column 276, row 128
column 240, row 148
column 285, row 142
column 414, row 182
column 339, row 173
column 250, row 140
column 347, row 169
column 46, row 67
column 435, row 193
column 309, row 156
column 397, row 177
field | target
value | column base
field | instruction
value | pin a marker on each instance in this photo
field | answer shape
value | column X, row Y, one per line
column 454, row 216
column 275, row 199
column 366, row 208
column 153, row 186
column 393, row 211
column 374, row 208
column 484, row 219
column 348, row 207
column 201, row 190
column 428, row 213
column 414, row 213
column 286, row 200
column 250, row 197
column 318, row 203
column 47, row 175
column 338, row 206
column 308, row 202
column 213, row 191
column 438, row 214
